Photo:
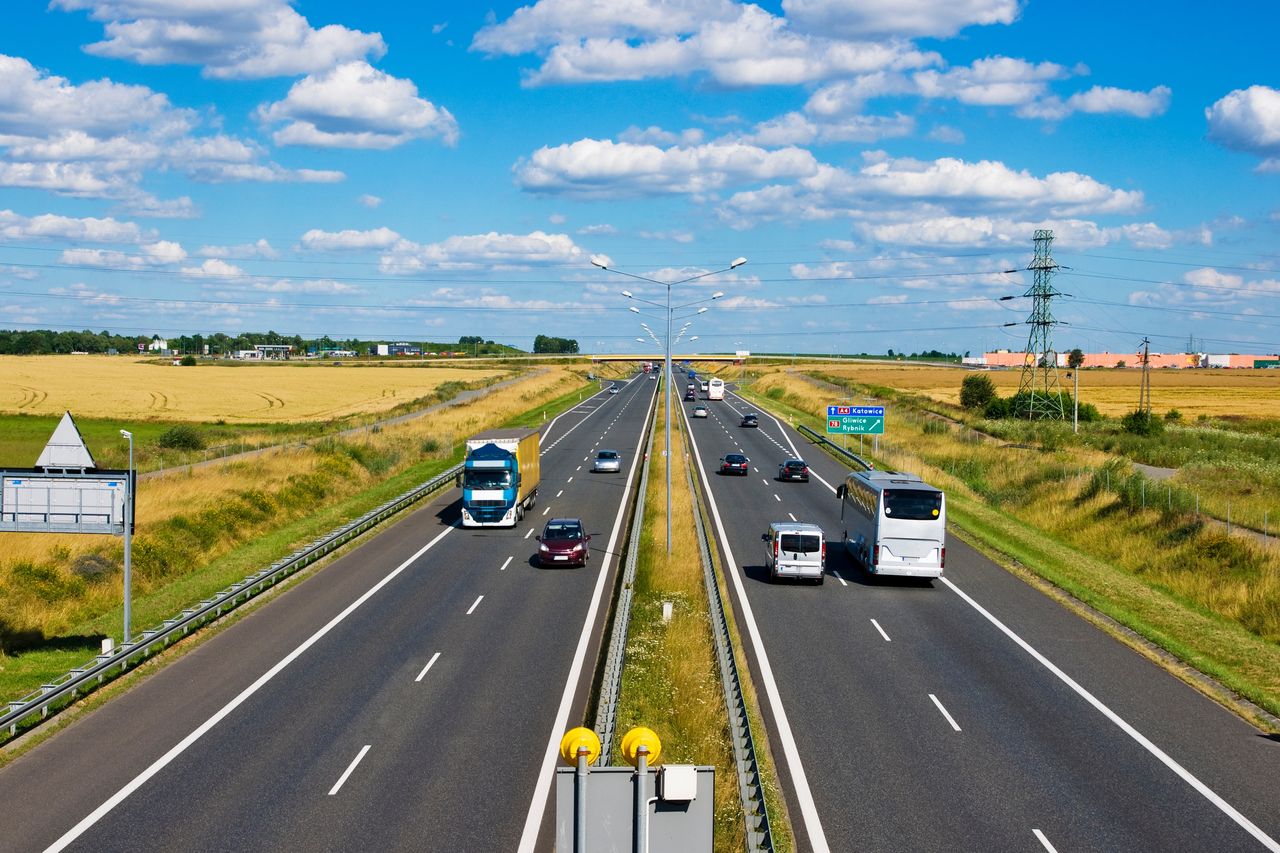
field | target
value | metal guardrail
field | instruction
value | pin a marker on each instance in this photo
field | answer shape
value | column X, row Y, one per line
column 750, row 785
column 819, row 438
column 69, row 687
column 611, row 680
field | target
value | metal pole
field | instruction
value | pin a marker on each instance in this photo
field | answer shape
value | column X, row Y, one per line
column 668, row 466
column 128, row 546
column 580, row 803
column 1075, row 402
column 640, row 832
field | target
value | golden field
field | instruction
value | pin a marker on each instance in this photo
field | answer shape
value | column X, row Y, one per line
column 125, row 388
column 1213, row 393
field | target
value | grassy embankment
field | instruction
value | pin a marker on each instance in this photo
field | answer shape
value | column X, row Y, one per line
column 199, row 532
column 1210, row 599
column 671, row 680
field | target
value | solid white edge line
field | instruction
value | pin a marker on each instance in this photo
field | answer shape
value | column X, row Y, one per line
column 792, row 445
column 350, row 768
column 1203, row 789
column 159, row 764
column 551, row 425
column 881, row 630
column 1044, row 841
column 475, row 604
column 542, row 788
column 950, row 719
column 808, row 808
column 509, row 559
column 430, row 663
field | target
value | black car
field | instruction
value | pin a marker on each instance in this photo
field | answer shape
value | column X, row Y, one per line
column 689, row 395
column 734, row 463
column 750, row 419
column 794, row 469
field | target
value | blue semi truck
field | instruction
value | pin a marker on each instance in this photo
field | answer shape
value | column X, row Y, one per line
column 500, row 477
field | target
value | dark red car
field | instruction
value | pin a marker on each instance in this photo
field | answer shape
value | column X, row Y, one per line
column 734, row 463
column 564, row 543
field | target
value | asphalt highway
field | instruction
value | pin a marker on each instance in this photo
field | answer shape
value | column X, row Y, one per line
column 969, row 712
column 408, row 696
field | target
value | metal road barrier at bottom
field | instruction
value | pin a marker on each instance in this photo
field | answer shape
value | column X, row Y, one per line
column 831, row 445
column 69, row 687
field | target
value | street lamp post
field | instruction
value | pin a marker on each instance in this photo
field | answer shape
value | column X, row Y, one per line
column 603, row 264
column 128, row 540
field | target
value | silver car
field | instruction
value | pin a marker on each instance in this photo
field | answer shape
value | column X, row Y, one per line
column 608, row 460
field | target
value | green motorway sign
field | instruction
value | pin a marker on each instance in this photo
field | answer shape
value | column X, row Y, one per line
column 855, row 425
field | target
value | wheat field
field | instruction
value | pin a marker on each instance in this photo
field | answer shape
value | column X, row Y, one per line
column 1213, row 393
column 131, row 389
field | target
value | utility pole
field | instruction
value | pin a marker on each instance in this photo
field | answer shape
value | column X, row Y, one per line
column 1144, row 391
column 1039, row 384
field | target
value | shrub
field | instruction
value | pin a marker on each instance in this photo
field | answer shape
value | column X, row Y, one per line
column 1173, row 415
column 1142, row 423
column 430, row 445
column 92, row 567
column 976, row 391
column 933, row 426
column 997, row 408
column 188, row 361
column 181, row 437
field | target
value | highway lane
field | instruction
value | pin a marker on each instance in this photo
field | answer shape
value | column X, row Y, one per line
column 451, row 665
column 874, row 707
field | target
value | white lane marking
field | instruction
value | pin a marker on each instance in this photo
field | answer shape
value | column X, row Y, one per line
column 793, row 447
column 530, row 533
column 559, row 493
column 1201, row 788
column 881, row 630
column 538, row 805
column 159, row 764
column 793, row 518
column 787, row 740
column 350, row 768
column 474, row 605
column 778, row 499
column 758, row 471
column 579, row 468
column 547, row 510
column 950, row 719
column 840, row 578
column 568, row 481
column 1044, row 841
column 509, row 559
column 430, row 663
column 762, row 479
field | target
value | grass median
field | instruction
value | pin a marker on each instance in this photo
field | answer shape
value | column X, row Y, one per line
column 671, row 681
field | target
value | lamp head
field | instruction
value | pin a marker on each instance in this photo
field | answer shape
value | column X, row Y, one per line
column 126, row 433
column 737, row 263
column 634, row 309
column 702, row 310
column 717, row 294
column 628, row 294
column 600, row 261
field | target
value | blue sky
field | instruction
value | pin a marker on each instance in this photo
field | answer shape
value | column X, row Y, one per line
column 367, row 170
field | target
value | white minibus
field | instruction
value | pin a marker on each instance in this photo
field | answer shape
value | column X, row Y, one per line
column 894, row 523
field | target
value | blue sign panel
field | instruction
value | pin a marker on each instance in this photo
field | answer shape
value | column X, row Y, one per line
column 855, row 411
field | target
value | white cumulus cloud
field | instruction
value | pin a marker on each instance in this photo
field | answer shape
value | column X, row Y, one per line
column 940, row 18
column 357, row 106
column 607, row 169
column 14, row 226
column 229, row 39
column 377, row 238
column 1248, row 120
column 476, row 250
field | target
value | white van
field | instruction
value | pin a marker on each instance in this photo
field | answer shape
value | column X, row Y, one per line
column 895, row 523
column 795, row 550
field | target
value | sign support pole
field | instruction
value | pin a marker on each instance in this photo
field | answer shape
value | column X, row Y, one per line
column 128, row 541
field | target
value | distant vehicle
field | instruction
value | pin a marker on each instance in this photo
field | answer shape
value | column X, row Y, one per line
column 699, row 411
column 613, row 389
column 715, row 389
column 647, row 366
column 689, row 395
column 794, row 469
column 734, row 463
column 704, row 387
column 564, row 543
column 608, row 460
column 500, row 477
column 653, row 376
column 750, row 419
column 895, row 523
column 795, row 549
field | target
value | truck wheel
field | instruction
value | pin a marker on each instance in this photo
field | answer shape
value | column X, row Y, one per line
column 519, row 513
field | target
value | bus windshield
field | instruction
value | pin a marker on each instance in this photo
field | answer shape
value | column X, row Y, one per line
column 487, row 480
column 912, row 504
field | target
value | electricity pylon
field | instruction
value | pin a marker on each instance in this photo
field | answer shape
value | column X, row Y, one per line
column 1038, row 389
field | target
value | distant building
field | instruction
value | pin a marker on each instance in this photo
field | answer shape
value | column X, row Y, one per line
column 277, row 352
column 1178, row 361
column 402, row 348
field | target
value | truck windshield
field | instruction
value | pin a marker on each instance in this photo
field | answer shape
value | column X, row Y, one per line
column 912, row 504
column 487, row 480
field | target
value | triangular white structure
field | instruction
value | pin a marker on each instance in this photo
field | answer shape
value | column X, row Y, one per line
column 66, row 448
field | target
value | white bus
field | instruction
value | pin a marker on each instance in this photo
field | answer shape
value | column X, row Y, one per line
column 715, row 389
column 894, row 523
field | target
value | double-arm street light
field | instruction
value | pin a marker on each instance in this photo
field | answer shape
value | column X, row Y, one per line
column 604, row 265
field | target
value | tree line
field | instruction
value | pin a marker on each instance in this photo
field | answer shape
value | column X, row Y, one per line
column 51, row 342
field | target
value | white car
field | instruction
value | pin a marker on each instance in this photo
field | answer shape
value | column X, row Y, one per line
column 699, row 412
column 613, row 389
column 608, row 460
